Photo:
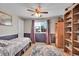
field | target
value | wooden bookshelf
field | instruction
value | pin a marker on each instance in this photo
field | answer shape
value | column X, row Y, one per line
column 71, row 30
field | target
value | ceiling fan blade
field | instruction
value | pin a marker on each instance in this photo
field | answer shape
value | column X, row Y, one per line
column 30, row 10
column 32, row 14
column 44, row 12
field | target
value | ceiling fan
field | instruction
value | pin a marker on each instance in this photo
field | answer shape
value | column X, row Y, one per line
column 37, row 11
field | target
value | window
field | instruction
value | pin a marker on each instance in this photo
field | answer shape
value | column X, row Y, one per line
column 40, row 26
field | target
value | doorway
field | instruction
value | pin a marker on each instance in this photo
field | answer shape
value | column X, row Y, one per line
column 40, row 30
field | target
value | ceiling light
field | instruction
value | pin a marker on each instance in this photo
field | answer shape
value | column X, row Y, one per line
column 37, row 14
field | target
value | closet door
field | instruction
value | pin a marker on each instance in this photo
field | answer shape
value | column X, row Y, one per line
column 20, row 28
column 59, row 34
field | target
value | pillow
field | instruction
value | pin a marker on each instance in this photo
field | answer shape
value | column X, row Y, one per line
column 4, row 43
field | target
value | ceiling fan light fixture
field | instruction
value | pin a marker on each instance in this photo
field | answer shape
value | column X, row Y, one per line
column 37, row 14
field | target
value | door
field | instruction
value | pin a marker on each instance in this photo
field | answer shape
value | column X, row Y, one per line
column 59, row 34
column 40, row 30
column 20, row 28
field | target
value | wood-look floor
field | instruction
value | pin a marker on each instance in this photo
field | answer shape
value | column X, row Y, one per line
column 29, row 50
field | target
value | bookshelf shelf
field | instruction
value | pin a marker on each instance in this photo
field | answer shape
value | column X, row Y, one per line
column 76, row 48
column 76, row 14
column 69, row 40
column 70, row 49
column 69, row 20
column 76, row 41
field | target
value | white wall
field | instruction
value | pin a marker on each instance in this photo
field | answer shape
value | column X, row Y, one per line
column 52, row 25
column 27, row 26
column 16, row 28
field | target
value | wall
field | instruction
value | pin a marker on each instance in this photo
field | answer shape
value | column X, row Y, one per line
column 16, row 28
column 52, row 25
column 27, row 26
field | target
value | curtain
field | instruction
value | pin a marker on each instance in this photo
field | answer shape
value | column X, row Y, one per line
column 32, row 32
column 48, row 32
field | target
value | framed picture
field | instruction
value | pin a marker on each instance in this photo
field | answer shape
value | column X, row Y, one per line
column 5, row 19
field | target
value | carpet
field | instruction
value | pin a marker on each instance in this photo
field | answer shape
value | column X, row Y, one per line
column 42, row 50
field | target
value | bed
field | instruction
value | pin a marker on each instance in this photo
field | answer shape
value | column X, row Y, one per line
column 14, row 47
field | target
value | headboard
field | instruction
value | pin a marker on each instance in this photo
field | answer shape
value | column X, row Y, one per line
column 9, row 37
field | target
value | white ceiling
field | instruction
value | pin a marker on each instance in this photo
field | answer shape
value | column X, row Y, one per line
column 20, row 9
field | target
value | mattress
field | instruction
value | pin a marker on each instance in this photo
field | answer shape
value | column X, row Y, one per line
column 12, row 47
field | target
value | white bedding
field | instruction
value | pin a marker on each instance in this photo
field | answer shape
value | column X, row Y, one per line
column 13, row 46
